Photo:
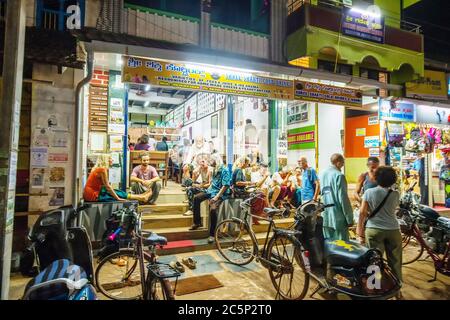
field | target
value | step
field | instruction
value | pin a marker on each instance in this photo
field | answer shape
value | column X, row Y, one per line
column 180, row 233
column 164, row 208
column 176, row 247
column 171, row 198
column 159, row 221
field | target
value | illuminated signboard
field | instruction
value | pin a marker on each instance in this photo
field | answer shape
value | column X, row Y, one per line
column 363, row 24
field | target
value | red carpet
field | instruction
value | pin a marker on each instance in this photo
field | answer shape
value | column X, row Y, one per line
column 179, row 244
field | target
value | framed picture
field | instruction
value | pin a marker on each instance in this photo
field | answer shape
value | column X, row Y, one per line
column 214, row 126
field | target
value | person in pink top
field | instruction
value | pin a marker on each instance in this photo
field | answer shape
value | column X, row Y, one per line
column 145, row 177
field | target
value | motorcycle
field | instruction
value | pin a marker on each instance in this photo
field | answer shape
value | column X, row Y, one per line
column 341, row 267
column 423, row 229
column 63, row 253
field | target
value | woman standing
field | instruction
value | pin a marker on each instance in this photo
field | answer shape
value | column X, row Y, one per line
column 378, row 226
column 98, row 188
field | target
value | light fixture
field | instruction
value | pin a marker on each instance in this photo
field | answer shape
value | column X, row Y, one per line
column 366, row 12
column 146, row 104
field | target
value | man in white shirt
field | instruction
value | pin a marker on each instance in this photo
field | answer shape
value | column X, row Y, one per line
column 200, row 148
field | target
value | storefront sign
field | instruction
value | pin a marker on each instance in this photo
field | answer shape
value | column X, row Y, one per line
column 432, row 115
column 201, row 78
column 297, row 112
column 371, row 142
column 374, row 152
column 302, row 138
column 397, row 111
column 433, row 85
column 360, row 132
column 317, row 92
column 373, row 120
column 364, row 24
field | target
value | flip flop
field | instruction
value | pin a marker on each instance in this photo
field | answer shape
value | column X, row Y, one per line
column 189, row 262
column 177, row 266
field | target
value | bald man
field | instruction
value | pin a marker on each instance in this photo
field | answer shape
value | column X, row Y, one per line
column 336, row 219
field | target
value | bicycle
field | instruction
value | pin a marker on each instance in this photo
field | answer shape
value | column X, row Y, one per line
column 122, row 275
column 237, row 243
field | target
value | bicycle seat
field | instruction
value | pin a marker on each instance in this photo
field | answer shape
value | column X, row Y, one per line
column 272, row 211
column 153, row 239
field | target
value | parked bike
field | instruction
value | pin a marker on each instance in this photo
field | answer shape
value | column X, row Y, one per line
column 344, row 267
column 237, row 243
column 132, row 273
column 423, row 229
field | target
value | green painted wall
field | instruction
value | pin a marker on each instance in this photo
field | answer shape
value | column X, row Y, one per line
column 351, row 50
column 391, row 12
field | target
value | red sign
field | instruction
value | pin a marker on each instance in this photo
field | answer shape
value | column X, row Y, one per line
column 58, row 157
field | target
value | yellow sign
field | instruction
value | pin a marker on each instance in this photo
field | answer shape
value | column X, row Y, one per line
column 432, row 85
column 201, row 78
column 318, row 92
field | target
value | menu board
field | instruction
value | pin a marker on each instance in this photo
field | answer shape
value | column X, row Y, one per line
column 98, row 108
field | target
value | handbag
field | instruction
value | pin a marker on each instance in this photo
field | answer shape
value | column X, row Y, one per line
column 377, row 209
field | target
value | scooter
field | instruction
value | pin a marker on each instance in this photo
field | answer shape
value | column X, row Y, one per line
column 341, row 267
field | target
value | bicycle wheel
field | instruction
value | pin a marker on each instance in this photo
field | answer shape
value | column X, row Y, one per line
column 234, row 242
column 412, row 249
column 159, row 289
column 118, row 276
column 289, row 276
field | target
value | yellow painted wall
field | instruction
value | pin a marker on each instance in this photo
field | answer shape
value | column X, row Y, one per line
column 353, row 168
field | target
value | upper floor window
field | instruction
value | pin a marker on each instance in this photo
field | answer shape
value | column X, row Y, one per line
column 329, row 66
column 53, row 14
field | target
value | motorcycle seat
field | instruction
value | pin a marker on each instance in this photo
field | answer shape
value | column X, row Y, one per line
column 345, row 253
column 154, row 239
column 444, row 221
column 272, row 211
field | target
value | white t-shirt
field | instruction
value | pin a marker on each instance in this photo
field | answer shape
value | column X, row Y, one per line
column 256, row 177
column 276, row 177
column 194, row 151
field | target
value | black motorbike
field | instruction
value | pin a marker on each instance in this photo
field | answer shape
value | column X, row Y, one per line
column 341, row 267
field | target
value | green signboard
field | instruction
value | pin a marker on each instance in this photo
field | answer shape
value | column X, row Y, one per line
column 302, row 138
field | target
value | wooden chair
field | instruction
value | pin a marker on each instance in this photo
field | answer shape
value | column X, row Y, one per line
column 158, row 159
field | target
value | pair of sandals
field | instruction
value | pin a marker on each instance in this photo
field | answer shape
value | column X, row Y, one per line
column 189, row 262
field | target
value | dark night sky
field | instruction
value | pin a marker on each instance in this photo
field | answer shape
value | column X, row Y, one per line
column 434, row 17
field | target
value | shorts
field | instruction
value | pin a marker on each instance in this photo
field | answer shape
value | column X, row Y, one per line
column 104, row 195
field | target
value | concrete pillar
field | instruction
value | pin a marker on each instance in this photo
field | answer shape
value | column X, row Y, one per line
column 278, row 18
column 205, row 24
column 273, row 135
column 10, row 120
column 230, row 127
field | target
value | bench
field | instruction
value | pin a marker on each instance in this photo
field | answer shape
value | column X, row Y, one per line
column 158, row 159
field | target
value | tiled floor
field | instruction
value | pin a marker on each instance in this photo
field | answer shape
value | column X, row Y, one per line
column 252, row 281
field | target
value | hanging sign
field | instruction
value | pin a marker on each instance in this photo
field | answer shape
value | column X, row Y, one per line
column 397, row 111
column 302, row 138
column 432, row 115
column 318, row 92
column 433, row 85
column 364, row 24
column 201, row 78
column 371, row 142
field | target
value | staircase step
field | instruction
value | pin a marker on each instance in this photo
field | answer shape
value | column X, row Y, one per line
column 164, row 208
column 159, row 221
column 180, row 233
column 164, row 198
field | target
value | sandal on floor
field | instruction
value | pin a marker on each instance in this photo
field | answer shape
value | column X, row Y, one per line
column 189, row 262
column 177, row 266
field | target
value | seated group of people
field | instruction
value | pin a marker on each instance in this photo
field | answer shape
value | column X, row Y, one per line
column 212, row 180
column 145, row 183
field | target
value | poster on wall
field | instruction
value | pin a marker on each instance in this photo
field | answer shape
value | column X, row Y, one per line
column 40, row 138
column 395, row 128
column 97, row 141
column 57, row 196
column 58, row 157
column 371, row 142
column 302, row 138
column 358, row 24
column 297, row 112
column 37, row 177
column 116, row 105
column 373, row 120
column 178, row 115
column 201, row 78
column 206, row 104
column 221, row 101
column 115, row 143
column 397, row 111
column 57, row 176
column 322, row 93
column 374, row 152
column 214, row 126
column 190, row 110
column 282, row 148
column 115, row 174
column 39, row 157
column 60, row 140
column 360, row 132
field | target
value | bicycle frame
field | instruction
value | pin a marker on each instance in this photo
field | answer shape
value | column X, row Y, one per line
column 439, row 263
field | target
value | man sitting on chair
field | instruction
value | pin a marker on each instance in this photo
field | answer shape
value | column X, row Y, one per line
column 145, row 177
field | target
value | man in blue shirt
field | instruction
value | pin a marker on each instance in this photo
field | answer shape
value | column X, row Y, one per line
column 310, row 182
column 218, row 191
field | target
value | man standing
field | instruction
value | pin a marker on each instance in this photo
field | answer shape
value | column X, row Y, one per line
column 336, row 219
column 310, row 182
column 218, row 191
column 145, row 177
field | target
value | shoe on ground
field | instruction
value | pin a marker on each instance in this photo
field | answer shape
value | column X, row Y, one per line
column 177, row 266
column 189, row 262
column 195, row 227
column 188, row 213
column 211, row 239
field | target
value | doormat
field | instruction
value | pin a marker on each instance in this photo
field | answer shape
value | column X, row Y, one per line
column 196, row 284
